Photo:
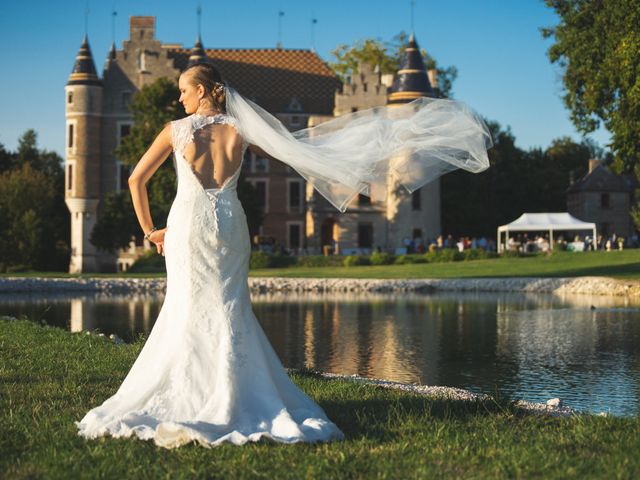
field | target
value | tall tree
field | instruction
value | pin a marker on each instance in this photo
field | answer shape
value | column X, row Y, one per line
column 597, row 45
column 388, row 56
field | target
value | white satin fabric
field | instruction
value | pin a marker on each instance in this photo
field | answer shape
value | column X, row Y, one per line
column 408, row 145
column 207, row 372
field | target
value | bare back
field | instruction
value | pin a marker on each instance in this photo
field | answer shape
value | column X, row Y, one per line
column 215, row 154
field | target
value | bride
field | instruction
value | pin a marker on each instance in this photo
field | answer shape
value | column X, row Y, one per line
column 207, row 372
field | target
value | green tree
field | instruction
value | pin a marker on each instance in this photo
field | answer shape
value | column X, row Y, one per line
column 597, row 46
column 28, row 221
column 388, row 56
column 7, row 159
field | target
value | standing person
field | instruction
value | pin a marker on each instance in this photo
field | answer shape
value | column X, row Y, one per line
column 207, row 372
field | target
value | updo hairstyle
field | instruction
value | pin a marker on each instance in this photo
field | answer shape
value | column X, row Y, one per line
column 209, row 77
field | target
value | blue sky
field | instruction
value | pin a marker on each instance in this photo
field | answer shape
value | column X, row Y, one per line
column 503, row 70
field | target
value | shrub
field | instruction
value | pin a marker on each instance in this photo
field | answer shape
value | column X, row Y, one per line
column 403, row 260
column 259, row 260
column 354, row 260
column 282, row 261
column 444, row 255
column 148, row 262
column 474, row 254
column 381, row 258
column 320, row 261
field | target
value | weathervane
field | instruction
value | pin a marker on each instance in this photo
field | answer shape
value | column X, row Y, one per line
column 114, row 14
column 413, row 6
column 314, row 21
column 86, row 18
column 199, row 13
column 280, row 15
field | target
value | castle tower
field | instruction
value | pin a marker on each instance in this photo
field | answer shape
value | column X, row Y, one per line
column 82, row 168
column 416, row 214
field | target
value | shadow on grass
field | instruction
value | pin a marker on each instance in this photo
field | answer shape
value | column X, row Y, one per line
column 386, row 419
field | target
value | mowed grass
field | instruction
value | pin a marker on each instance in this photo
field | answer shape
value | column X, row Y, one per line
column 50, row 378
column 617, row 264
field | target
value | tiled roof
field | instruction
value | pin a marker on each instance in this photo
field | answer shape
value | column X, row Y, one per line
column 601, row 179
column 273, row 77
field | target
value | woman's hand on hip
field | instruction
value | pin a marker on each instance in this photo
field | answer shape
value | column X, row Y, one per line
column 157, row 238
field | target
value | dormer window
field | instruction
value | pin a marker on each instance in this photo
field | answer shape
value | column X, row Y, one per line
column 294, row 105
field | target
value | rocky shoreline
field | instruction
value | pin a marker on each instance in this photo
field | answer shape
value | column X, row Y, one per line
column 114, row 286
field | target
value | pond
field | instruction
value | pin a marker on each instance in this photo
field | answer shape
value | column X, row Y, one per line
column 582, row 349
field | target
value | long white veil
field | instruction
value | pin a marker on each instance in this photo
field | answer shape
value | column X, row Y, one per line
column 411, row 144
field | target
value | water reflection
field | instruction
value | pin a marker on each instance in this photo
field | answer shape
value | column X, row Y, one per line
column 583, row 349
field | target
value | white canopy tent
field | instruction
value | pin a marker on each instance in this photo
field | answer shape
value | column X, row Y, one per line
column 538, row 222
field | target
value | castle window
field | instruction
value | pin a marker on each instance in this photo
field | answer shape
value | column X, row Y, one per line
column 365, row 235
column 247, row 161
column 260, row 165
column 416, row 200
column 126, row 99
column 294, row 195
column 294, row 235
column 354, row 109
column 124, row 172
column 69, row 177
column 364, row 87
column 417, row 233
column 70, row 136
column 261, row 193
column 364, row 199
column 604, row 200
column 70, row 97
column 125, row 128
column 295, row 121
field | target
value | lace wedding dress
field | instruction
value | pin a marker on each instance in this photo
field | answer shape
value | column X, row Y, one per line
column 207, row 372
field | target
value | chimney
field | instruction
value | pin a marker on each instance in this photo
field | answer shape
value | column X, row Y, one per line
column 593, row 163
column 142, row 28
column 432, row 73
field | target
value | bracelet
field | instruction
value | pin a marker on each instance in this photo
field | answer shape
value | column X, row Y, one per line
column 146, row 235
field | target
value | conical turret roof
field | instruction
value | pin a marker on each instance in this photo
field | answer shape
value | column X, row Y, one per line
column 412, row 81
column 84, row 70
column 197, row 53
column 111, row 57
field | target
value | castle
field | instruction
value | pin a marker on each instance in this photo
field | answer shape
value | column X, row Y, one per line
column 294, row 85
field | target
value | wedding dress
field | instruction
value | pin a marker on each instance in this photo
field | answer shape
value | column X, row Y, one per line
column 207, row 372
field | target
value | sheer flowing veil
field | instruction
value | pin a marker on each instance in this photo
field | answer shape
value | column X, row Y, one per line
column 411, row 144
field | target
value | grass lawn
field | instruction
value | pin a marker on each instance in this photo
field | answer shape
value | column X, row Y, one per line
column 624, row 264
column 618, row 264
column 50, row 377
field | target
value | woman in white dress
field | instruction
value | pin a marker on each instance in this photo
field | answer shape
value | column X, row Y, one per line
column 207, row 372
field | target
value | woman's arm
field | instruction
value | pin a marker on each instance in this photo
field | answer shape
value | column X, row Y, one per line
column 146, row 167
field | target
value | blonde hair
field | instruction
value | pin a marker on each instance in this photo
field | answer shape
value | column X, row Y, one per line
column 209, row 77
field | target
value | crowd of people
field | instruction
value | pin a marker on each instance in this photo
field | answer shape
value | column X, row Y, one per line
column 527, row 243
